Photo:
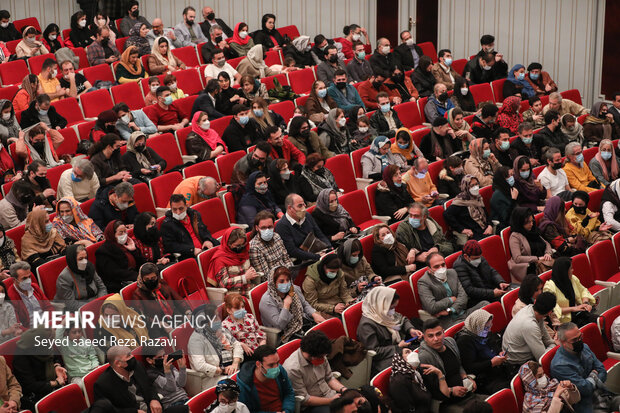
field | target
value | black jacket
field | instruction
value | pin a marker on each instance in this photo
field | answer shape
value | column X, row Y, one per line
column 111, row 387
column 476, row 359
column 478, row 282
column 390, row 201
column 280, row 189
column 31, row 117
column 458, row 218
column 205, row 26
column 103, row 212
column 555, row 139
column 534, row 151
column 113, row 266
column 177, row 239
column 501, row 208
column 502, row 156
column 403, row 56
column 105, row 168
column 384, row 262
column 264, row 38
column 384, row 64
column 317, row 52
column 407, row 396
column 302, row 59
column 423, row 81
column 239, row 138
column 483, row 130
column 328, row 224
column 207, row 51
column 476, row 74
column 135, row 168
column 448, row 184
column 205, row 104
column 222, row 100
column 10, row 33
column 380, row 124
column 30, row 372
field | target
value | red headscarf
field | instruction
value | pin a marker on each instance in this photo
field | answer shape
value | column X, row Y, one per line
column 508, row 115
column 210, row 136
column 110, row 236
column 225, row 257
column 236, row 38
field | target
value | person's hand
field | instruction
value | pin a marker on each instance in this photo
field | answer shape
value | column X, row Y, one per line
column 604, row 227
column 250, row 274
column 460, row 133
column 155, row 406
column 339, row 308
column 459, row 391
column 534, row 162
column 468, row 232
column 163, row 261
column 411, row 256
column 593, row 214
column 247, row 349
column 538, row 184
column 497, row 292
column 548, row 87
column 218, row 371
column 410, row 267
column 234, row 98
column 361, row 286
column 167, row 364
column 537, row 118
column 488, row 230
column 364, row 32
column 430, row 369
column 473, row 382
column 4, row 274
column 207, row 245
column 338, row 236
column 499, row 57
column 9, row 406
column 514, row 193
column 288, row 300
column 546, row 257
column 498, row 360
column 452, row 133
column 421, row 257
column 402, row 344
column 504, row 286
column 397, row 100
column 427, row 198
column 197, row 251
column 318, row 318
column 49, row 192
column 222, row 45
column 232, row 369
column 442, row 313
column 400, row 213
column 492, row 158
column 353, row 230
column 130, row 245
column 145, row 171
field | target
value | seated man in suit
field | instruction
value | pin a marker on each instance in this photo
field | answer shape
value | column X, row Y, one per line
column 126, row 386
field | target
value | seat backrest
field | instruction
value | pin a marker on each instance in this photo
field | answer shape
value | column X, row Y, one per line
column 605, row 322
column 342, row 169
column 451, row 332
column 220, row 125
column 213, row 214
column 68, row 399
column 201, row 401
column 48, row 273
column 163, row 186
column 588, row 154
column 332, row 328
column 581, row 270
column 301, row 80
column 206, row 168
column 292, row 31
column 407, row 304
column 505, row 234
column 120, row 43
column 69, row 109
column 595, row 200
column 36, row 62
column 16, row 235
column 89, row 382
column 498, row 89
column 382, row 381
column 96, row 102
column 203, row 262
column 371, row 192
column 413, row 281
column 8, row 92
column 93, row 307
column 499, row 318
column 256, row 294
column 428, row 48
column 409, row 114
column 572, row 94
column 436, row 213
column 7, row 350
column 129, row 93
column 351, row 318
column 593, row 338
column 482, row 93
column 508, row 301
column 143, row 199
column 12, row 73
column 53, row 174
column 285, row 350
column 187, row 55
column 357, row 205
column 493, row 251
column 545, row 359
column 450, row 259
column 98, row 72
column 356, row 158
column 486, row 193
column 286, row 109
column 602, row 258
column 434, row 168
column 418, row 134
column 273, row 57
column 503, row 401
column 70, row 142
column 189, row 81
column 181, row 336
column 367, row 244
column 28, row 21
column 186, row 269
column 225, row 164
column 166, row 146
column 269, row 84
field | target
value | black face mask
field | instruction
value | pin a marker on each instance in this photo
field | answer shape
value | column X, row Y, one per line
column 104, row 41
column 333, row 59
column 443, row 97
column 305, row 133
column 38, row 146
column 42, row 182
column 135, row 13
column 159, row 363
column 131, row 364
column 320, row 171
column 110, row 129
column 116, row 152
column 580, row 210
column 578, row 346
column 365, row 408
column 377, row 85
column 210, row 16
column 396, row 79
column 255, row 162
column 238, row 250
column 341, row 85
column 151, row 284
column 603, row 115
column 139, row 148
column 26, row 199
column 557, row 166
column 218, row 39
column 152, row 234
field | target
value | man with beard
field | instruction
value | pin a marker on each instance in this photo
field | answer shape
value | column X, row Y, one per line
column 188, row 32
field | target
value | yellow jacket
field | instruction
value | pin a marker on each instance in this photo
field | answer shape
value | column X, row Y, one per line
column 579, row 178
column 581, row 296
column 578, row 229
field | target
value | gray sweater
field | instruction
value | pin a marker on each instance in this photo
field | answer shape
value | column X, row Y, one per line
column 141, row 120
column 71, row 289
column 275, row 316
column 525, row 338
column 597, row 171
column 169, row 385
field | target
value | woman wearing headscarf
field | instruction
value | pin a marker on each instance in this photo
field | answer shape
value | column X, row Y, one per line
column 105, row 123
column 531, row 192
column 73, row 225
column 358, row 273
column 467, row 216
column 556, row 230
column 8, row 253
column 212, row 350
column 462, row 98
column 390, row 258
column 405, row 146
column 51, row 38
column 41, row 241
column 281, row 181
column 605, row 164
column 423, row 78
column 407, row 387
column 542, row 394
column 314, row 178
column 392, row 197
column 382, row 329
column 436, row 147
column 285, row 308
column 481, row 163
column 517, row 85
column 269, row 36
column 299, row 50
column 118, row 320
column 130, row 68
column 256, row 198
column 29, row 90
column 325, row 287
column 378, row 157
column 230, row 266
column 80, row 35
column 9, row 127
column 161, row 59
column 142, row 161
column 480, row 354
column 254, row 64
column 530, row 253
column 599, row 124
column 504, row 197
column 508, row 115
column 137, row 38
column 319, row 104
column 14, row 207
column 148, row 240
column 610, row 205
column 241, row 41
column 333, row 132
column 305, row 139
column 78, row 283
column 117, row 259
column 30, row 46
column 571, row 128
column 456, row 120
column 573, row 301
column 584, row 222
column 335, row 222
column 402, row 84
column 264, row 117
column 203, row 141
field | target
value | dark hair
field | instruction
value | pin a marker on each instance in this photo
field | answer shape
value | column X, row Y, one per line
column 328, row 48
column 43, row 98
column 149, row 268
column 487, row 39
column 357, row 43
column 271, row 129
column 348, row 29
column 263, row 146
column 487, row 57
column 212, row 86
column 318, row 39
column 424, row 62
column 312, row 160
column 215, row 51
column 489, row 110
column 4, row 14
column 169, row 79
column 616, row 94
column 34, row 166
column 152, row 79
column 499, row 180
column 544, row 303
column 49, row 62
column 188, row 8
column 499, row 131
column 443, row 52
column 238, row 108
column 550, row 116
column 264, row 214
column 339, row 72
column 430, row 323
column 264, row 351
column 478, row 406
column 316, row 344
column 149, row 352
column 177, row 198
column 122, row 106
column 460, row 81
column 518, row 218
column 528, row 286
column 431, row 255
column 84, row 146
column 338, row 405
column 106, row 140
column 525, row 126
column 160, row 90
column 452, row 161
column 139, row 226
column 31, row 30
column 131, row 3
column 533, row 100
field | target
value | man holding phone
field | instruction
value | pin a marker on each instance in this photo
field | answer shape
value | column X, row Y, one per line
column 168, row 381
column 420, row 185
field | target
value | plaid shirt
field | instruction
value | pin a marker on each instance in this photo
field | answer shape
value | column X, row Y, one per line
column 266, row 256
column 147, row 250
column 233, row 279
column 96, row 54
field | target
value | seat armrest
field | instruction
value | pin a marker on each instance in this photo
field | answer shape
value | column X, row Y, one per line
column 189, row 158
column 362, row 183
column 605, row 283
column 161, row 211
column 613, row 355
column 216, row 295
column 383, row 218
column 242, row 226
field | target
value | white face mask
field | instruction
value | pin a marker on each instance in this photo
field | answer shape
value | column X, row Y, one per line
column 356, row 37
column 81, row 264
column 385, row 49
column 154, row 89
column 342, row 121
column 243, row 34
column 55, row 73
column 2, row 298
column 179, row 217
column 2, row 241
column 205, row 125
column 101, row 22
column 442, row 274
column 173, row 86
column 82, row 23
column 5, row 25
column 464, row 91
column 413, row 359
column 6, row 116
column 67, row 219
column 53, row 37
column 542, row 382
column 409, row 42
column 363, row 129
column 122, row 239
column 388, row 239
column 126, row 118
column 474, row 190
column 227, row 408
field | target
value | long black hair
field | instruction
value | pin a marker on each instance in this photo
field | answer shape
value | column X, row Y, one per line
column 528, row 286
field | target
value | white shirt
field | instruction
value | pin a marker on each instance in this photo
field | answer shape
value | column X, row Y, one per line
column 555, row 183
column 212, row 71
column 293, row 221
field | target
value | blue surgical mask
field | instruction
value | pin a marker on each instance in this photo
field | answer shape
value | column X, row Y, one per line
column 331, row 274
column 606, row 155
column 504, row 146
column 244, row 120
column 258, row 113
column 385, row 108
column 524, row 174
column 398, row 184
column 527, row 141
column 216, row 325
column 272, row 373
column 534, row 76
column 579, row 158
column 48, row 227
column 521, row 76
column 485, row 332
column 403, row 146
column 414, row 222
column 168, row 100
column 486, row 153
column 321, row 93
column 266, row 234
column 361, row 55
column 354, row 260
column 511, row 180
column 75, row 178
column 240, row 313
column 448, row 61
column 284, row 287
column 42, row 112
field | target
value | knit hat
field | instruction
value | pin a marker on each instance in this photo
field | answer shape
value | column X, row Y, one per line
column 472, row 248
column 439, row 121
column 534, row 66
column 227, row 384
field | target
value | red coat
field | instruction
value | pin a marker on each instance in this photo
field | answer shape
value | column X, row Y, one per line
column 20, row 308
column 369, row 94
column 289, row 152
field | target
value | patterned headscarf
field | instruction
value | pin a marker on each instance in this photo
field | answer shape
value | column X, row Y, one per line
column 474, row 204
column 296, row 310
column 508, row 115
column 400, row 366
column 535, row 400
column 476, row 150
column 340, row 215
column 82, row 227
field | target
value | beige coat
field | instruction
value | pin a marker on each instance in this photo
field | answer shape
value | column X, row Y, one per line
column 22, row 50
column 521, row 255
column 442, row 77
column 472, row 167
column 245, row 68
column 10, row 388
column 324, row 297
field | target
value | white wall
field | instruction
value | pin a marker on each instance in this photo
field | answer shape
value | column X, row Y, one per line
column 311, row 16
column 565, row 36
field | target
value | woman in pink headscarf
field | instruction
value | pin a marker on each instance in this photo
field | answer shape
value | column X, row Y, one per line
column 203, row 141
column 508, row 115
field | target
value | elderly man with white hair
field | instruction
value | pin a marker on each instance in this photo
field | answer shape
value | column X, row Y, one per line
column 159, row 30
column 578, row 173
column 564, row 106
column 208, row 14
column 79, row 182
column 438, row 103
column 197, row 189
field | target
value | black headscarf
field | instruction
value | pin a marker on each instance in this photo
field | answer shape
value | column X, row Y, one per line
column 54, row 44
column 352, row 119
column 327, row 260
column 500, row 184
column 537, row 244
column 296, row 123
column 559, row 275
column 260, row 201
column 149, row 236
column 88, row 273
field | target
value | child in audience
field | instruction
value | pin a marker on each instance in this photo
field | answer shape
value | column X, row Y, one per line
column 242, row 325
